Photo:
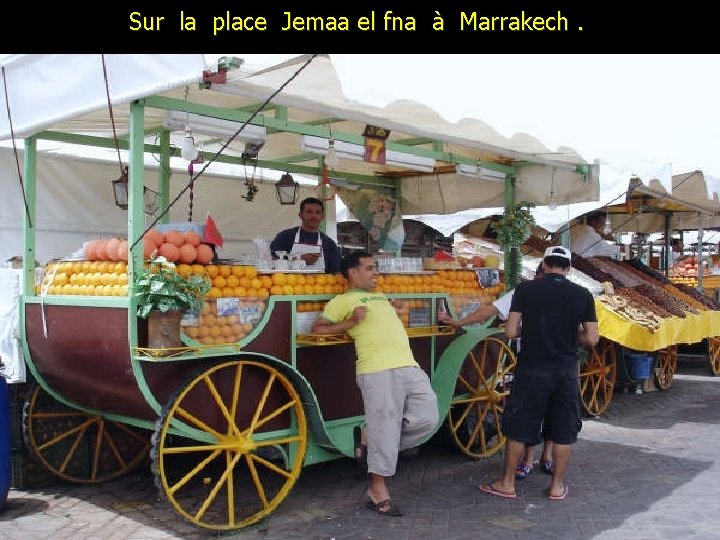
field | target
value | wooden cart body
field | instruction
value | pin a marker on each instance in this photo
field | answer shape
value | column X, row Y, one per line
column 298, row 397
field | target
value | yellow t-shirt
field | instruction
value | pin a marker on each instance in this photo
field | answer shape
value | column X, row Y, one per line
column 381, row 341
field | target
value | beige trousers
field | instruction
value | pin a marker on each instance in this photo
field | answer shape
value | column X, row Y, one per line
column 400, row 412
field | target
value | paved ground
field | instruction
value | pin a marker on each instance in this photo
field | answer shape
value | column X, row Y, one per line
column 648, row 469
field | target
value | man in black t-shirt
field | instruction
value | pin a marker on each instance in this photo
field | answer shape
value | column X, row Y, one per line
column 550, row 315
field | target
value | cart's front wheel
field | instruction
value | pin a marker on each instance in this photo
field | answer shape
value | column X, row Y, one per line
column 78, row 446
column 230, row 445
column 665, row 367
column 714, row 354
column 475, row 415
column 597, row 377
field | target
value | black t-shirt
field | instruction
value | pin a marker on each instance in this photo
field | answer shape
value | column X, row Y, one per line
column 552, row 308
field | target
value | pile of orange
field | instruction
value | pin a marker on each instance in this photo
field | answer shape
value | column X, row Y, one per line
column 442, row 281
column 85, row 278
column 310, row 306
column 307, row 284
column 404, row 306
column 216, row 329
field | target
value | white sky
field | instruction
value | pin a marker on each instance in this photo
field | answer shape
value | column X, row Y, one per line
column 622, row 109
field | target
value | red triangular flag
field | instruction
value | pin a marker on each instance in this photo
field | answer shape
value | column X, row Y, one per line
column 212, row 234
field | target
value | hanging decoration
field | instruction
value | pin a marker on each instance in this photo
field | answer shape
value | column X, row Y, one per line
column 552, row 203
column 251, row 188
column 326, row 191
column 188, row 150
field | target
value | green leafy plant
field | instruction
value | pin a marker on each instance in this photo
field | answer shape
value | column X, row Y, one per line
column 515, row 227
column 159, row 287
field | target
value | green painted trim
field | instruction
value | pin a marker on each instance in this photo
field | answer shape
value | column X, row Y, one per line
column 444, row 377
column 30, row 215
column 82, row 301
column 254, row 106
column 278, row 165
column 414, row 141
column 511, row 277
column 325, row 121
column 166, row 103
column 341, row 433
column 163, row 185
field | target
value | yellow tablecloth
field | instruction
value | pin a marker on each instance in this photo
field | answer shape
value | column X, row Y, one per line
column 672, row 331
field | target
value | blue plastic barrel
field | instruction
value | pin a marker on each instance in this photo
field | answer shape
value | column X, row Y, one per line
column 5, row 442
column 639, row 366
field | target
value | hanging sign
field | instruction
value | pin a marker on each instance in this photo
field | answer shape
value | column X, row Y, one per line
column 375, row 138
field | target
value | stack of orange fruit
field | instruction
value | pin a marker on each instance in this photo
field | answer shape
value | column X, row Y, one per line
column 85, row 278
column 310, row 306
column 216, row 328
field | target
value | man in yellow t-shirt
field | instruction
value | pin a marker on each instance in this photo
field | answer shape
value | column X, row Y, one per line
column 400, row 405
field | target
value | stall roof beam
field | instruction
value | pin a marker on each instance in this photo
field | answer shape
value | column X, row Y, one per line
column 641, row 188
column 162, row 102
column 104, row 142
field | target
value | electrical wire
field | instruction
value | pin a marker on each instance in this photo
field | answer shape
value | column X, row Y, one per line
column 112, row 116
column 15, row 150
column 223, row 147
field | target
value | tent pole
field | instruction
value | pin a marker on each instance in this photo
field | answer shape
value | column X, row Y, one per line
column 510, row 255
column 668, row 245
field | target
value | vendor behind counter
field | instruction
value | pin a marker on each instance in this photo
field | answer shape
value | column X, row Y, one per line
column 587, row 240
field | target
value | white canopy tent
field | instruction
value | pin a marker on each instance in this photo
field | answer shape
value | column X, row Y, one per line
column 41, row 97
column 71, row 212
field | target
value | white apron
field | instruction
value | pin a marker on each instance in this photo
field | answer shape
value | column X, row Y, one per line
column 300, row 249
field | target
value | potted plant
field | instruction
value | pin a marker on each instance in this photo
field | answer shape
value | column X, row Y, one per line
column 163, row 296
column 513, row 228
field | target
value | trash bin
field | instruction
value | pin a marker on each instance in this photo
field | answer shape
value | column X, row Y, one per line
column 5, row 442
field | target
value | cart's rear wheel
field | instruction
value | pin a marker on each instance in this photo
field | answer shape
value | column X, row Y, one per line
column 77, row 446
column 475, row 415
column 597, row 377
column 230, row 446
column 714, row 354
column 665, row 366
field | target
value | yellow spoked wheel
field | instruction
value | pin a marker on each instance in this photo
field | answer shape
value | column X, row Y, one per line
column 665, row 366
column 597, row 377
column 77, row 446
column 229, row 447
column 714, row 354
column 475, row 414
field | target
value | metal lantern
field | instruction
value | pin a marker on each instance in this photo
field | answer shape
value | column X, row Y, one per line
column 120, row 190
column 286, row 189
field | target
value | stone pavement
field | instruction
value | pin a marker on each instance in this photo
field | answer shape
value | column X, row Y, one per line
column 647, row 469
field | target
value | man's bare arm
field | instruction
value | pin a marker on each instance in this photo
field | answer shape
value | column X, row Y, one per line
column 478, row 316
column 323, row 326
column 512, row 328
column 589, row 334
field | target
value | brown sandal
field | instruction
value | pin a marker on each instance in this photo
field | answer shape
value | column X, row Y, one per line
column 360, row 448
column 386, row 508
